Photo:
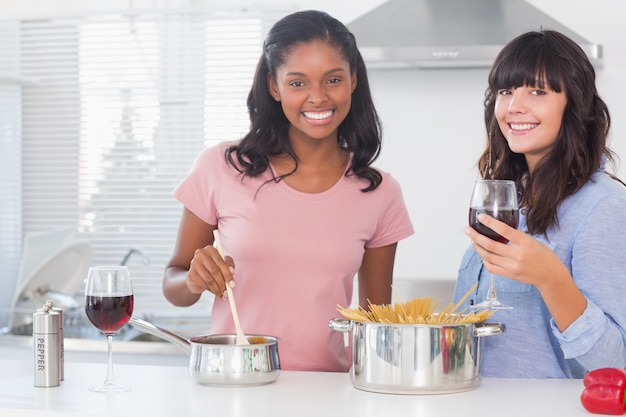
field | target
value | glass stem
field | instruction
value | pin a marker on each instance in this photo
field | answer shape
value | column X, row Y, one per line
column 491, row 296
column 110, row 378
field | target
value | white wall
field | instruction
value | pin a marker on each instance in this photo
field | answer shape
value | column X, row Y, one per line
column 434, row 132
column 432, row 119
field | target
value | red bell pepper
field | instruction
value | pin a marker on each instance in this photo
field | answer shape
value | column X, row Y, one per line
column 604, row 391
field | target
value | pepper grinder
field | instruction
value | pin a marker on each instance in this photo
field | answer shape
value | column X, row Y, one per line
column 46, row 325
column 61, row 339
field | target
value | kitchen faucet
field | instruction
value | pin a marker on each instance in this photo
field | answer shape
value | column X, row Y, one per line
column 139, row 250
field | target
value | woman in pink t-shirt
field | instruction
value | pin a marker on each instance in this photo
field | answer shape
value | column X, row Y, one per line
column 299, row 207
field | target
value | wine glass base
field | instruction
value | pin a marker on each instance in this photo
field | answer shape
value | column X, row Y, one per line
column 112, row 388
column 492, row 305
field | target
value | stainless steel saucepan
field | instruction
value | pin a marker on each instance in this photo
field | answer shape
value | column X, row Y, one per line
column 415, row 358
column 218, row 361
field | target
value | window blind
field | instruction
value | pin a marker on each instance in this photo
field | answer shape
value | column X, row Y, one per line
column 10, row 190
column 10, row 165
column 124, row 104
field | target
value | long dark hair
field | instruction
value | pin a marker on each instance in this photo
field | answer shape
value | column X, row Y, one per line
column 560, row 65
column 360, row 133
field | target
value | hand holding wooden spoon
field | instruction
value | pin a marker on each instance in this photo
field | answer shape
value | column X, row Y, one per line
column 241, row 337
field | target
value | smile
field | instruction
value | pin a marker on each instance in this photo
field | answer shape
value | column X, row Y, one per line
column 318, row 115
column 523, row 126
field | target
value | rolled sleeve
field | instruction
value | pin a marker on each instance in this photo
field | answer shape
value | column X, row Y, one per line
column 583, row 334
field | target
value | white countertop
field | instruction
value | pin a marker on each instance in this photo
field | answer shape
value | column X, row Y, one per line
column 168, row 390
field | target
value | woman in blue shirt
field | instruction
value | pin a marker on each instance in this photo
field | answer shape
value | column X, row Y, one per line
column 564, row 269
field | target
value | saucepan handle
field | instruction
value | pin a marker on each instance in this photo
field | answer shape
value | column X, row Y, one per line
column 341, row 325
column 150, row 328
column 488, row 329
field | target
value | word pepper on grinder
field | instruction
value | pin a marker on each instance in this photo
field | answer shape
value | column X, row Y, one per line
column 46, row 346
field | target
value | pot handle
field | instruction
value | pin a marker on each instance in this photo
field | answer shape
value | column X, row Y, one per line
column 341, row 325
column 488, row 329
column 150, row 328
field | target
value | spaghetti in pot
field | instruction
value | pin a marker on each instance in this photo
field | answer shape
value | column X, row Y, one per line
column 417, row 311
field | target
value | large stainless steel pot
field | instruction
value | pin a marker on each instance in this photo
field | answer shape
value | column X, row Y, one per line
column 415, row 358
column 216, row 360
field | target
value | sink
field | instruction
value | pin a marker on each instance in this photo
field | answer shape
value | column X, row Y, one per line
column 95, row 350
column 77, row 326
column 84, row 343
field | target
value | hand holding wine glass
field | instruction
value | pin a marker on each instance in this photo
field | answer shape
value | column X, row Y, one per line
column 498, row 199
column 109, row 305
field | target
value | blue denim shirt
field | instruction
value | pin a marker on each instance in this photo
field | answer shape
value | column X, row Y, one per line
column 591, row 241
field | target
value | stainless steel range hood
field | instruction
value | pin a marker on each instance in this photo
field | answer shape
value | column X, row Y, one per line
column 450, row 33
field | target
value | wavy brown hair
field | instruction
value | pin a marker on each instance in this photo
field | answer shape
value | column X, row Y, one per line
column 560, row 65
column 360, row 133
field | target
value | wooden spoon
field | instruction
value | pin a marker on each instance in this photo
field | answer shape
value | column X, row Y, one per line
column 241, row 338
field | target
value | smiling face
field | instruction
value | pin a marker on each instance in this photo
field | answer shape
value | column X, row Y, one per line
column 314, row 86
column 530, row 119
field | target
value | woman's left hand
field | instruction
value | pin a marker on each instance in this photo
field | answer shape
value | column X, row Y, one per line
column 523, row 259
column 527, row 260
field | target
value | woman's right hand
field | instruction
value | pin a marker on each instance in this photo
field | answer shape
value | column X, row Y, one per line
column 195, row 266
column 208, row 271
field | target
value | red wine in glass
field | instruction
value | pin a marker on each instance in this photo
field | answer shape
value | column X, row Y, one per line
column 109, row 305
column 109, row 313
column 508, row 216
column 497, row 198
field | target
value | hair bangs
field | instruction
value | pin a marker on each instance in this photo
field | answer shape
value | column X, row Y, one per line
column 527, row 66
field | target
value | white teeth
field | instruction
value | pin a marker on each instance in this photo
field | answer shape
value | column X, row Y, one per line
column 318, row 116
column 524, row 126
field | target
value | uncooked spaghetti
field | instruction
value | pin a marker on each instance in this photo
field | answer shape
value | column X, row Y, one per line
column 417, row 311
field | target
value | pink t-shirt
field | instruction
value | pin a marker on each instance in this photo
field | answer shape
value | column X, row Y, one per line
column 295, row 254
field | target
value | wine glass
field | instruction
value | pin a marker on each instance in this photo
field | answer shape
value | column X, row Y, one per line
column 109, row 305
column 497, row 198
